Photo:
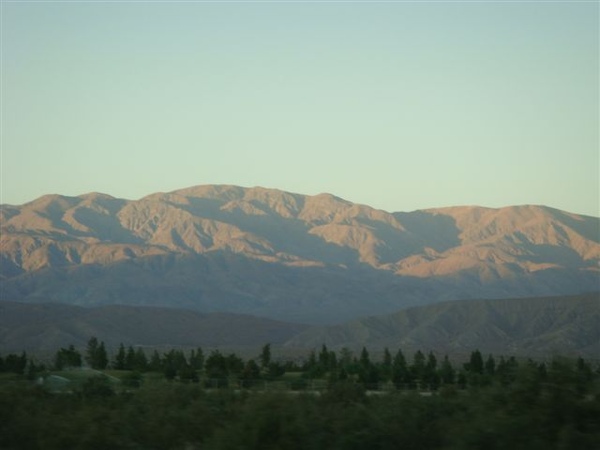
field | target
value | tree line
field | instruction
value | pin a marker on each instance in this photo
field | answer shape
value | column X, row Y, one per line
column 421, row 371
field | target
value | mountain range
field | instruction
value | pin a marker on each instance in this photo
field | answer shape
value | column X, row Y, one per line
column 306, row 259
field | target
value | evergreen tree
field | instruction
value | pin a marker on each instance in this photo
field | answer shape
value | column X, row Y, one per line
column 67, row 357
column 15, row 363
column 400, row 372
column 96, row 355
column 216, row 366
column 249, row 374
column 386, row 365
column 490, row 366
column 475, row 364
column 169, row 370
column 119, row 363
column 431, row 365
column 140, row 360
column 324, row 358
column 364, row 361
column 447, row 371
column 33, row 370
column 368, row 373
column 506, row 370
column 73, row 357
column 345, row 357
column 430, row 374
column 188, row 374
column 418, row 366
column 333, row 363
column 91, row 352
column 130, row 358
column 101, row 357
column 275, row 370
column 235, row 364
column 310, row 366
column 197, row 359
column 155, row 362
column 474, row 369
column 265, row 356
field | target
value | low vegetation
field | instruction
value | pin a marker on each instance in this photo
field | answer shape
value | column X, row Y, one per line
column 329, row 400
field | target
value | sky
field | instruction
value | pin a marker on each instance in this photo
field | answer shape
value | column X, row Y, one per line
column 398, row 105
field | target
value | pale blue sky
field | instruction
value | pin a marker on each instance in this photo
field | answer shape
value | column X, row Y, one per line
column 401, row 106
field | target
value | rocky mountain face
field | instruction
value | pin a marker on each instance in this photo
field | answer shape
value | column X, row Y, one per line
column 286, row 256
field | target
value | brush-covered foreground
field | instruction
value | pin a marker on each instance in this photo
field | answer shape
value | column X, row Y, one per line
column 512, row 404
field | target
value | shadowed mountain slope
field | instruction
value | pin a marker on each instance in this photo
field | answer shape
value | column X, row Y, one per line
column 527, row 327
column 45, row 327
column 286, row 256
column 532, row 327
